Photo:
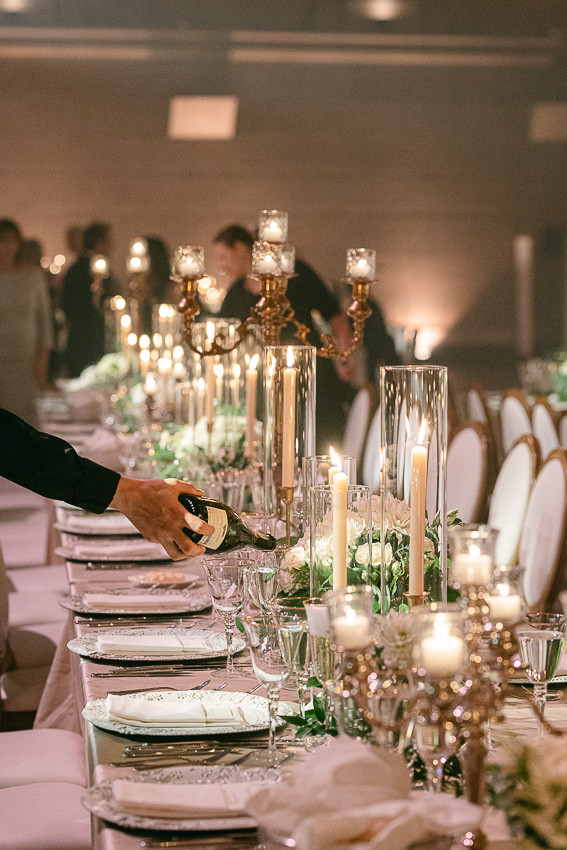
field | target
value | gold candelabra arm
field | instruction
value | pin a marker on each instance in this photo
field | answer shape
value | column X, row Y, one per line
column 189, row 309
column 358, row 311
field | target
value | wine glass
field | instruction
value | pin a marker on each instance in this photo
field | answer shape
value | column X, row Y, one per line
column 272, row 671
column 291, row 617
column 226, row 579
column 263, row 579
column 540, row 650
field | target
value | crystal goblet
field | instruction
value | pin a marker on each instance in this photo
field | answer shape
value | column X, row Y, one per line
column 226, row 580
column 540, row 650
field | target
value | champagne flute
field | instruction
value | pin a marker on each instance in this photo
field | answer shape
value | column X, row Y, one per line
column 226, row 579
column 271, row 671
column 540, row 650
column 291, row 618
column 326, row 660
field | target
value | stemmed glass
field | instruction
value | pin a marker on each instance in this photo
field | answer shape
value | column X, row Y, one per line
column 272, row 671
column 326, row 660
column 540, row 650
column 226, row 579
column 291, row 619
column 263, row 579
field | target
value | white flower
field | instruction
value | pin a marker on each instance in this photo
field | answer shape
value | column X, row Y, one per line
column 324, row 550
column 361, row 556
column 286, row 579
column 397, row 633
column 296, row 558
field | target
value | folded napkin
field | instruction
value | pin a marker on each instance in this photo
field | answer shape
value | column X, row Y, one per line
column 135, row 601
column 349, row 795
column 120, row 549
column 167, row 708
column 81, row 520
column 155, row 799
column 169, row 644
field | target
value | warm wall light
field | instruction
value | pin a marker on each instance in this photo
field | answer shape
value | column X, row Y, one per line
column 202, row 117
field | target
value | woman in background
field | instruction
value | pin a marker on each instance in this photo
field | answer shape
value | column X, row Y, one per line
column 25, row 327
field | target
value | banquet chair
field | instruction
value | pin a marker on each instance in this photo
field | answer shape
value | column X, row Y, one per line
column 358, row 420
column 467, row 470
column 477, row 410
column 562, row 430
column 371, row 462
column 510, row 496
column 544, row 427
column 44, row 816
column 542, row 543
column 514, row 418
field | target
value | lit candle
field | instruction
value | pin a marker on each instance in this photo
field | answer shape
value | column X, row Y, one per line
column 150, row 385
column 352, row 631
column 442, row 653
column 361, row 268
column 339, row 511
column 164, row 370
column 144, row 361
column 235, row 387
column 188, row 267
column 417, row 514
column 505, row 607
column 200, row 398
column 251, row 387
column 336, row 465
column 472, row 567
column 210, row 385
column 267, row 265
column 270, row 232
column 288, row 425
column 219, row 383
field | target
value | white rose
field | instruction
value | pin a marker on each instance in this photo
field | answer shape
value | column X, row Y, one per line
column 286, row 580
column 296, row 558
column 324, row 551
column 361, row 556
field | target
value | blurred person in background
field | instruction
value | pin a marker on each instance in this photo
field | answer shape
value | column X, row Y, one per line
column 312, row 302
column 84, row 299
column 25, row 327
column 158, row 288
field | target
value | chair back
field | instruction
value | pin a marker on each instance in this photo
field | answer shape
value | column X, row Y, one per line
column 371, row 462
column 544, row 427
column 562, row 430
column 357, row 422
column 510, row 496
column 476, row 406
column 542, row 544
column 467, row 467
column 514, row 418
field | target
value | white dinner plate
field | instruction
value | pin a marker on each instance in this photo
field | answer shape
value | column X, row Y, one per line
column 96, row 712
column 99, row 799
column 181, row 603
column 86, row 645
column 163, row 578
column 99, row 556
column 96, row 525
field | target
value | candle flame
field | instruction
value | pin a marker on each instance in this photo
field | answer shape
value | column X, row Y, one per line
column 236, row 370
column 164, row 364
column 145, row 355
column 163, row 311
column 422, row 433
column 254, row 362
column 201, row 385
column 126, row 321
column 336, row 459
column 219, row 370
column 289, row 356
column 132, row 339
column 441, row 628
column 178, row 352
column 158, row 340
column 118, row 303
column 210, row 331
column 503, row 589
column 144, row 341
column 474, row 551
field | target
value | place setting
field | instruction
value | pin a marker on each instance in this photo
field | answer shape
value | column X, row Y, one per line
column 151, row 644
column 141, row 601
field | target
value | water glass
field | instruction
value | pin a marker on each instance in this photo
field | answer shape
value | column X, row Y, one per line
column 291, row 619
column 263, row 579
column 226, row 579
column 272, row 671
column 540, row 650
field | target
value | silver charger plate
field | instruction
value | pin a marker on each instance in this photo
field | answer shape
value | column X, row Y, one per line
column 113, row 525
column 96, row 712
column 102, row 557
column 523, row 680
column 86, row 645
column 99, row 799
column 181, row 603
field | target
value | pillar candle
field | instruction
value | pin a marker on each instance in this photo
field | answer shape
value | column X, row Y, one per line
column 352, row 631
column 288, row 425
column 417, row 518
column 339, row 502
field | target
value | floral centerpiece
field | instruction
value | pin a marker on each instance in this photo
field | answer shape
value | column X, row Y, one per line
column 364, row 562
column 532, row 790
column 108, row 371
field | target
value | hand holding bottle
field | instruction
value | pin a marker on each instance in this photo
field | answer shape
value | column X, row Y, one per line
column 156, row 511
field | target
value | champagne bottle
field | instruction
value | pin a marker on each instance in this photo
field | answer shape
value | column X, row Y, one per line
column 231, row 532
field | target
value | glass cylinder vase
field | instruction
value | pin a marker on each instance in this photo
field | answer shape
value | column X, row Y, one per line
column 413, row 474
column 289, row 427
column 324, row 571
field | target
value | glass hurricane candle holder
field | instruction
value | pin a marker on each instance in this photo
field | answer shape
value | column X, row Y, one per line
column 341, row 552
column 319, row 470
column 361, row 264
column 289, row 427
column 472, row 555
column 413, row 473
column 188, row 261
column 266, row 258
column 505, row 601
column 272, row 226
column 440, row 650
column 351, row 612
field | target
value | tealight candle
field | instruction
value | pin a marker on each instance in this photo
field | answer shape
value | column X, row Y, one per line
column 352, row 631
column 266, row 265
column 472, row 568
column 504, row 607
column 271, row 232
column 361, row 268
column 441, row 652
column 188, row 266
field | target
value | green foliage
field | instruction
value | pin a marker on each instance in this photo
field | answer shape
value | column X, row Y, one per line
column 314, row 721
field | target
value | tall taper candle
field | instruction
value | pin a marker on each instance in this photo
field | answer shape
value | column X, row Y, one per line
column 288, row 425
column 339, row 499
column 417, row 518
column 251, row 386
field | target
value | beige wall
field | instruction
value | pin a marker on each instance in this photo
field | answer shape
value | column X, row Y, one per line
column 432, row 166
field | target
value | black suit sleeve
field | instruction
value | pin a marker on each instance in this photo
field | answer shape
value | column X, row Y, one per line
column 51, row 467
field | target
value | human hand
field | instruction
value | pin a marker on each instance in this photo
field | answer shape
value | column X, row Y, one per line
column 154, row 508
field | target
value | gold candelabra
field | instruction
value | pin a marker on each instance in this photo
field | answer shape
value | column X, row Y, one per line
column 273, row 262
